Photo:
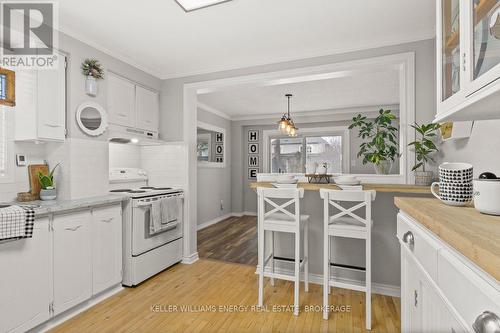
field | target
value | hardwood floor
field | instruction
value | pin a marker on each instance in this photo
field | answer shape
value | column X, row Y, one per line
column 233, row 240
column 206, row 286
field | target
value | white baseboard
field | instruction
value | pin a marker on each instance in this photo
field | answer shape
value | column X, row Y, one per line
column 222, row 218
column 60, row 318
column 191, row 259
column 377, row 288
column 245, row 213
column 213, row 221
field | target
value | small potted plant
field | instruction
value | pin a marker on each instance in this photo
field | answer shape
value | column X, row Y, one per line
column 424, row 147
column 48, row 191
column 93, row 71
column 381, row 145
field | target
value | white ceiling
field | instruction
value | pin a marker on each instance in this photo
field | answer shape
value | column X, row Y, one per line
column 358, row 90
column 160, row 38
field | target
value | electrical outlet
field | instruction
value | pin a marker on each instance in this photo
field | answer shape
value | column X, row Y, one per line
column 222, row 205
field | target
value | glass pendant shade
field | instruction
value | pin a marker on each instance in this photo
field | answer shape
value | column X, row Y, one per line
column 286, row 125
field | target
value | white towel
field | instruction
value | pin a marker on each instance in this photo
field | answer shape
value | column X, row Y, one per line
column 155, row 219
column 16, row 222
column 170, row 209
column 163, row 212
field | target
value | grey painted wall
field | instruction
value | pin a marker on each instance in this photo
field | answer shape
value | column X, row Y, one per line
column 214, row 184
column 482, row 149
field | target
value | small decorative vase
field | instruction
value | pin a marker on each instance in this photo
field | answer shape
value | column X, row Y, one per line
column 322, row 169
column 423, row 178
column 48, row 194
column 91, row 85
column 383, row 168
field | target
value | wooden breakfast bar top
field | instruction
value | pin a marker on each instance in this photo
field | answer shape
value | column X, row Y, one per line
column 391, row 188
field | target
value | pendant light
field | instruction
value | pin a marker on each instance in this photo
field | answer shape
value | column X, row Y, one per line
column 286, row 124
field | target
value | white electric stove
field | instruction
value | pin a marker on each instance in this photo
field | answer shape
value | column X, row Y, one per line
column 145, row 254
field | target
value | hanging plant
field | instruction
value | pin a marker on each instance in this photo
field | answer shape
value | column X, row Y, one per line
column 92, row 67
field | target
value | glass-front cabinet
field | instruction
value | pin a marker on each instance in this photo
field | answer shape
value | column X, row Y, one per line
column 468, row 59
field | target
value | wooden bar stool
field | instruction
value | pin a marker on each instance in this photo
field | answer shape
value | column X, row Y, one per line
column 281, row 219
column 345, row 223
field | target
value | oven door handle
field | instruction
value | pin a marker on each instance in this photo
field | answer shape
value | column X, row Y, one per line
column 144, row 204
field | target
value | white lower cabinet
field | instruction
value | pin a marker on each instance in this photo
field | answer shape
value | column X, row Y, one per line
column 25, row 285
column 106, row 248
column 72, row 260
column 440, row 291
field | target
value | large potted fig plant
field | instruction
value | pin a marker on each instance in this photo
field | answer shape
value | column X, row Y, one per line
column 381, row 145
column 424, row 147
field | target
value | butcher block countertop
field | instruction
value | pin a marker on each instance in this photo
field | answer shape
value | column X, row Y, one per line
column 394, row 188
column 475, row 235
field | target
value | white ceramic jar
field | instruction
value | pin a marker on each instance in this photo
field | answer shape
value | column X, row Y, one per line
column 487, row 196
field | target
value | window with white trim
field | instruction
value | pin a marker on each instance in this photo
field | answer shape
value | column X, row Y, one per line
column 298, row 154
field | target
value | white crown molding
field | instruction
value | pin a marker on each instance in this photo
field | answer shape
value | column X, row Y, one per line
column 99, row 47
column 314, row 54
column 210, row 109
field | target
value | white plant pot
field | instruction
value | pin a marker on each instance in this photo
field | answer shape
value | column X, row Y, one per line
column 423, row 178
column 91, row 85
column 383, row 168
column 311, row 167
column 48, row 194
column 321, row 170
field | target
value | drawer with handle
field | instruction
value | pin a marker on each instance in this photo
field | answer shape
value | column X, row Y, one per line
column 476, row 298
column 416, row 240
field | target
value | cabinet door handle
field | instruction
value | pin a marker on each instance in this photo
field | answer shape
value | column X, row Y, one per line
column 52, row 125
column 409, row 239
column 74, row 228
column 122, row 114
column 486, row 322
column 415, row 294
column 108, row 220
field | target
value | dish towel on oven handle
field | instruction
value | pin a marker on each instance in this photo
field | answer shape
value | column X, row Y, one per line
column 16, row 222
column 163, row 212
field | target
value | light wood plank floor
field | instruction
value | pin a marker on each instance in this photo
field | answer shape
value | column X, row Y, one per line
column 209, row 283
column 233, row 240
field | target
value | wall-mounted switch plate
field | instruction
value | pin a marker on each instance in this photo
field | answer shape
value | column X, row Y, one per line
column 20, row 160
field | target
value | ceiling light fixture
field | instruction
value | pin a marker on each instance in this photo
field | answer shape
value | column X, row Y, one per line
column 190, row 5
column 286, row 124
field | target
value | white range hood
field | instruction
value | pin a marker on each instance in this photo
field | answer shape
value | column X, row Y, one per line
column 127, row 135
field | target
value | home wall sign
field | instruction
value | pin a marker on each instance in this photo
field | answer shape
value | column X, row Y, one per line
column 253, row 154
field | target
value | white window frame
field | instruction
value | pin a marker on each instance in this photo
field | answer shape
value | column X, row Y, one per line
column 210, row 127
column 312, row 131
column 8, row 131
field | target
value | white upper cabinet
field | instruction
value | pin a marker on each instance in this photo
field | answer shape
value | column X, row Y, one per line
column 147, row 104
column 468, row 59
column 40, row 112
column 132, row 105
column 121, row 97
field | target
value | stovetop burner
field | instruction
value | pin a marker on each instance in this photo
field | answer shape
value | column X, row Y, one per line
column 122, row 190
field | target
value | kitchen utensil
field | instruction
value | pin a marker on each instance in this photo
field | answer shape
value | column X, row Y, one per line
column 487, row 196
column 33, row 171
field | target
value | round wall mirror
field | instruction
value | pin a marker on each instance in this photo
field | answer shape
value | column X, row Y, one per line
column 91, row 118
